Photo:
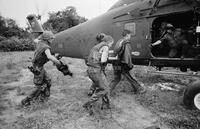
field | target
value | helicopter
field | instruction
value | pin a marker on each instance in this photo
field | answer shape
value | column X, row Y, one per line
column 144, row 19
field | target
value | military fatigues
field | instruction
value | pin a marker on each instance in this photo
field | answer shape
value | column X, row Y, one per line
column 182, row 43
column 95, row 73
column 123, row 66
column 177, row 43
column 41, row 79
column 169, row 38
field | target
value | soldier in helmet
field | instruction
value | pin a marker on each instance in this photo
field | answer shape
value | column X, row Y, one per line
column 175, row 40
column 168, row 36
column 97, row 57
column 41, row 80
column 124, row 64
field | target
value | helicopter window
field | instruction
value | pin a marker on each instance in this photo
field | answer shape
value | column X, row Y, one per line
column 131, row 27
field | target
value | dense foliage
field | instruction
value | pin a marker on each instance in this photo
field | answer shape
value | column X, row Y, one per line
column 62, row 20
column 14, row 38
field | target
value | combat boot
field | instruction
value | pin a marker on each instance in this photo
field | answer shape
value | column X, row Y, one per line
column 105, row 103
column 91, row 92
column 26, row 101
column 47, row 92
column 88, row 107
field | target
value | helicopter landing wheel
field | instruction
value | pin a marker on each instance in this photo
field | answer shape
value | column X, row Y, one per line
column 197, row 101
column 191, row 98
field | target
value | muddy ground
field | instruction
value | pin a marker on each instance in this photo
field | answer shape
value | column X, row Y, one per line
column 157, row 107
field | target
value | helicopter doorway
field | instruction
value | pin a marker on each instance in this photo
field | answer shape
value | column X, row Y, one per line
column 184, row 25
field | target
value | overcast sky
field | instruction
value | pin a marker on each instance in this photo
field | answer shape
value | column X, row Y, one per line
column 19, row 9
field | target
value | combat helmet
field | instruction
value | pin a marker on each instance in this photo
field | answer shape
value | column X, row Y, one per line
column 100, row 36
column 47, row 35
column 169, row 27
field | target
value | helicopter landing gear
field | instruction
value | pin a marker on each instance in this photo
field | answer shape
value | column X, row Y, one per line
column 191, row 98
column 197, row 101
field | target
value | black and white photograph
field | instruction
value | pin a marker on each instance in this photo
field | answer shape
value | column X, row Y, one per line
column 99, row 64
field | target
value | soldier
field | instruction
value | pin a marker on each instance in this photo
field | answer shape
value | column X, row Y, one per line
column 96, row 60
column 168, row 36
column 182, row 43
column 41, row 80
column 175, row 40
column 124, row 64
column 99, row 39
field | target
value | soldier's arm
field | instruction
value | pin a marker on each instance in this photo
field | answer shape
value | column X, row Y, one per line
column 165, row 37
column 51, row 57
column 104, row 55
column 157, row 43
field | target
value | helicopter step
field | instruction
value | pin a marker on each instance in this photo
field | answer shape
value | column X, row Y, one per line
column 193, row 74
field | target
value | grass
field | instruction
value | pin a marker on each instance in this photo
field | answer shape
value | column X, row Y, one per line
column 64, row 108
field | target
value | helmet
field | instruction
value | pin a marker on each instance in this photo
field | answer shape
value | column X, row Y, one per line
column 169, row 27
column 107, row 38
column 100, row 36
column 47, row 35
column 125, row 32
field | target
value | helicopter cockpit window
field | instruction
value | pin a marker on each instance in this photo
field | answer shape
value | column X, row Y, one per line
column 131, row 27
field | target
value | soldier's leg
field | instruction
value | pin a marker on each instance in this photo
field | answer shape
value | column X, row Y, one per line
column 105, row 102
column 116, row 79
column 101, row 89
column 38, row 80
column 92, row 74
column 99, row 93
column 47, row 80
column 132, row 79
column 106, row 95
column 33, row 96
column 92, row 89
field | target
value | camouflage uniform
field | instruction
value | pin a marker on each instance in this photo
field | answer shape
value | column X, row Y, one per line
column 95, row 73
column 41, row 79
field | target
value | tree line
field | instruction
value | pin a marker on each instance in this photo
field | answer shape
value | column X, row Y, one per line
column 14, row 38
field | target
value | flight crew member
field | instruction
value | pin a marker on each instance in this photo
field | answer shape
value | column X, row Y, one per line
column 124, row 64
column 168, row 36
column 175, row 40
column 41, row 79
column 182, row 43
column 96, row 60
